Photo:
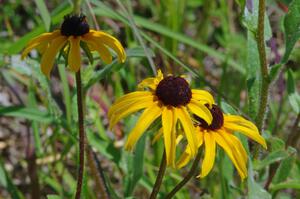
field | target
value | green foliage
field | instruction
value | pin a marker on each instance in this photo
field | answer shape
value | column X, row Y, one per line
column 213, row 43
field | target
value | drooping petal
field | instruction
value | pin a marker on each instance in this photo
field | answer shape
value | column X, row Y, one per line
column 157, row 136
column 203, row 96
column 239, row 124
column 186, row 156
column 110, row 41
column 210, row 153
column 148, row 117
column 126, row 99
column 133, row 107
column 74, row 58
column 240, row 166
column 188, row 128
column 101, row 49
column 168, row 125
column 44, row 38
column 200, row 110
column 48, row 57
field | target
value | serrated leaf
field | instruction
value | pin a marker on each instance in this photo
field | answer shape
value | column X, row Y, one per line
column 291, row 28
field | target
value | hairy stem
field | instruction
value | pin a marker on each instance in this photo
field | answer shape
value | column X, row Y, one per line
column 186, row 178
column 160, row 175
column 264, row 91
column 81, row 135
column 101, row 190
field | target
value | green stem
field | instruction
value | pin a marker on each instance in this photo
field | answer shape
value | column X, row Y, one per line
column 264, row 91
column 160, row 175
column 186, row 178
column 76, row 8
column 81, row 135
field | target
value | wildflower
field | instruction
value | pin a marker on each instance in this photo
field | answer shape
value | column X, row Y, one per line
column 169, row 97
column 220, row 132
column 73, row 31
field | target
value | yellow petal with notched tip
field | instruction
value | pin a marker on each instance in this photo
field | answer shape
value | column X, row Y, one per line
column 168, row 125
column 245, row 127
column 188, row 127
column 241, row 168
column 122, row 101
column 203, row 95
column 44, row 38
column 210, row 153
column 200, row 110
column 74, row 58
column 48, row 57
column 146, row 119
column 101, row 49
column 108, row 40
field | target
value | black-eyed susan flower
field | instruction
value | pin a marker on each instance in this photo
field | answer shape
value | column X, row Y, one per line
column 172, row 100
column 220, row 132
column 73, row 31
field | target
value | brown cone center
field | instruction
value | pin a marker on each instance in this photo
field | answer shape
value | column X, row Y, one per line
column 217, row 122
column 174, row 91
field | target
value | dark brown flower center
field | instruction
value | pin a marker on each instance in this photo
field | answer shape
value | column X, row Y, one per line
column 217, row 122
column 74, row 25
column 174, row 91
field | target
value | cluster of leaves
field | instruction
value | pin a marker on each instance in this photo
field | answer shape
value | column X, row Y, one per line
column 212, row 41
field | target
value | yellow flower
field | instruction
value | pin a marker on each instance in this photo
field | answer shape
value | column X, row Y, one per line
column 169, row 97
column 220, row 132
column 74, row 30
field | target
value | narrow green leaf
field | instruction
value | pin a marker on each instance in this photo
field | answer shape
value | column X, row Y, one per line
column 295, row 184
column 284, row 170
column 33, row 114
column 44, row 13
column 53, row 197
column 291, row 28
column 294, row 97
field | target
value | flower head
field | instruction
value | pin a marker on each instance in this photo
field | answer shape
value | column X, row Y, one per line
column 169, row 99
column 72, row 32
column 220, row 132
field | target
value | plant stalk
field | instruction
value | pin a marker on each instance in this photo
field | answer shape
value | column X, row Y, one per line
column 81, row 135
column 264, row 91
column 160, row 175
column 190, row 174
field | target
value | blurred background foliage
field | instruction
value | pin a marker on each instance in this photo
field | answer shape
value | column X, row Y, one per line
column 211, row 42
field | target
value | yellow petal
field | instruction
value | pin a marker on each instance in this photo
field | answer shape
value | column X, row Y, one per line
column 245, row 127
column 110, row 41
column 188, row 127
column 210, row 153
column 157, row 136
column 186, row 156
column 74, row 58
column 101, row 49
column 133, row 107
column 168, row 123
column 41, row 39
column 148, row 83
column 48, row 57
column 203, row 96
column 239, row 165
column 146, row 119
column 200, row 110
column 126, row 99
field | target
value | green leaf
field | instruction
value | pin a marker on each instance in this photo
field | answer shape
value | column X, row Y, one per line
column 87, row 51
column 291, row 29
column 136, row 163
column 255, row 190
column 44, row 13
column 294, row 97
column 32, row 114
column 53, row 197
column 284, row 170
column 295, row 184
